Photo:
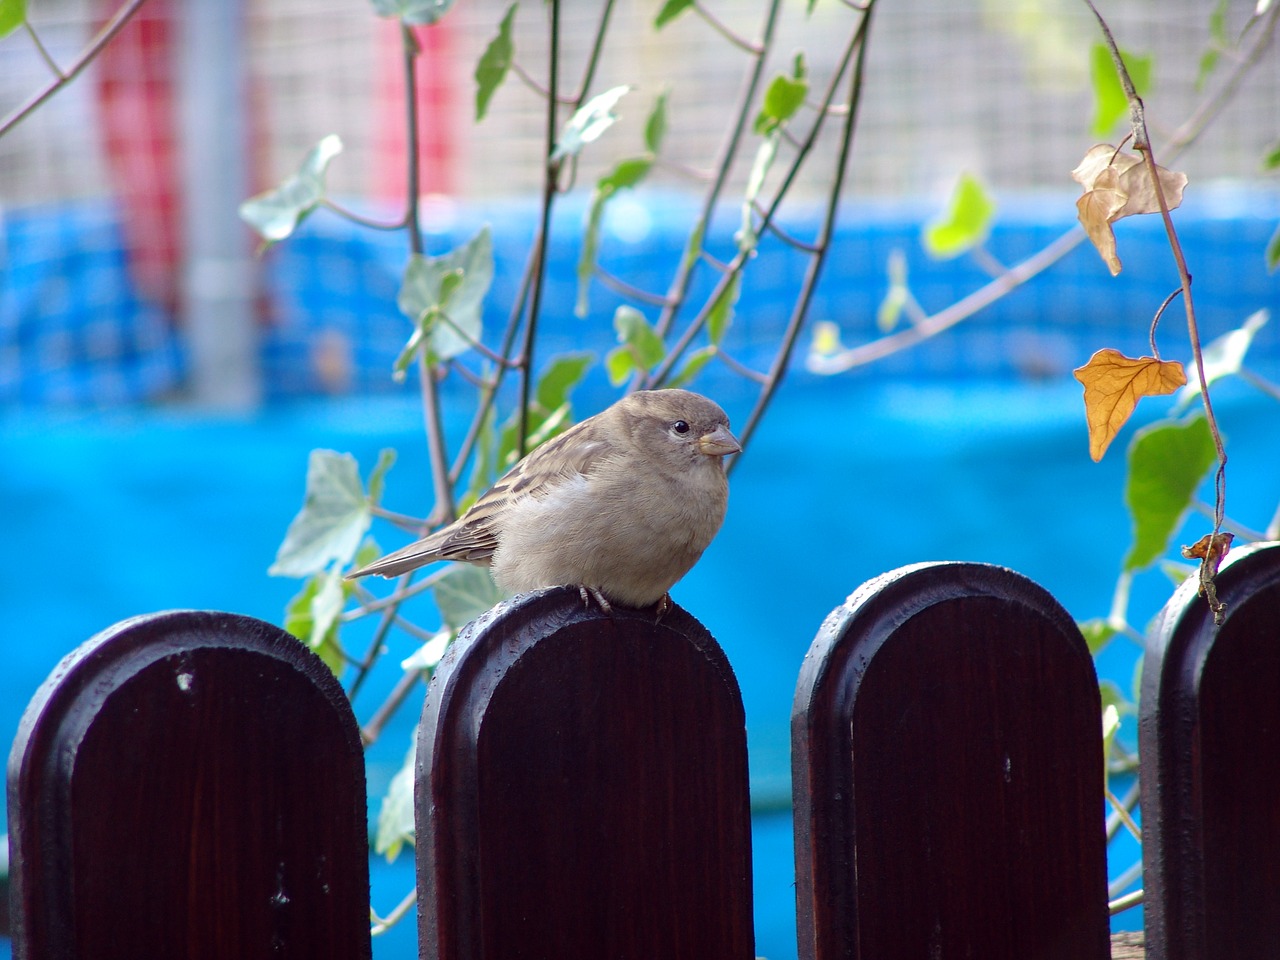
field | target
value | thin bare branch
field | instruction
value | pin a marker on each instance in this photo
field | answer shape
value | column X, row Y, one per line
column 720, row 27
column 104, row 36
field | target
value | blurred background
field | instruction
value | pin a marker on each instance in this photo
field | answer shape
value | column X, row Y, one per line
column 162, row 383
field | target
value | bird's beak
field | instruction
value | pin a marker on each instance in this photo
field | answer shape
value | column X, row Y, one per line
column 718, row 443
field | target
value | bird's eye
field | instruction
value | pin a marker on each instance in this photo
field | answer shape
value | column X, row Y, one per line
column 680, row 427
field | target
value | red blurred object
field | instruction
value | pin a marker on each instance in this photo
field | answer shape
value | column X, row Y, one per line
column 136, row 98
column 437, row 93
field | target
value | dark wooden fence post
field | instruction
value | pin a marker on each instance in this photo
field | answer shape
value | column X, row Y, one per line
column 189, row 785
column 582, row 790
column 947, row 773
column 1209, row 737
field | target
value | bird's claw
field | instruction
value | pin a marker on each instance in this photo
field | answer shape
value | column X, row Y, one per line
column 662, row 607
column 590, row 593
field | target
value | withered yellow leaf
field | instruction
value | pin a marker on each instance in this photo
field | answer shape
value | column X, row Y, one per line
column 1113, row 385
column 1097, row 209
column 1117, row 185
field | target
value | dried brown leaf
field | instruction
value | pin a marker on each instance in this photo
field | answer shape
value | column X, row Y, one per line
column 1097, row 209
column 1113, row 385
column 1210, row 548
column 1117, row 185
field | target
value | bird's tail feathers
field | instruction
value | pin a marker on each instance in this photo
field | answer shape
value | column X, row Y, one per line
column 417, row 554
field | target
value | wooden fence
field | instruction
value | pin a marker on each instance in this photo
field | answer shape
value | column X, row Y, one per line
column 191, row 785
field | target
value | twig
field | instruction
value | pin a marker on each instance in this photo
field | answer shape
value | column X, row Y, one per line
column 551, row 176
column 695, row 326
column 1266, row 386
column 394, row 599
column 1127, row 902
column 679, row 288
column 1155, row 321
column 723, row 29
column 959, row 311
column 99, row 41
column 593, row 59
column 432, row 420
column 379, row 636
column 403, row 520
column 1114, row 820
column 362, row 220
column 532, row 83
column 382, row 924
column 45, row 55
column 823, row 241
column 794, row 242
column 370, row 732
column 1123, row 814
column 741, row 369
column 618, row 285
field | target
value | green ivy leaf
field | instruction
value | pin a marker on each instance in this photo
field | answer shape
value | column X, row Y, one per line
column 782, row 98
column 1224, row 356
column 1208, row 63
column 463, row 593
column 670, row 10
column 276, row 213
column 334, row 516
column 494, row 64
column 395, row 816
column 1273, row 251
column 13, row 14
column 312, row 617
column 588, row 123
column 1097, row 634
column 693, row 249
column 745, row 236
column 1177, row 572
column 693, row 365
column 564, row 373
column 427, row 657
column 721, row 315
column 1110, row 104
column 625, row 174
column 965, row 224
column 619, row 363
column 655, row 125
column 1272, row 159
column 1167, row 463
column 444, row 297
column 377, row 479
column 897, row 296
column 1110, row 727
column 413, row 12
column 638, row 340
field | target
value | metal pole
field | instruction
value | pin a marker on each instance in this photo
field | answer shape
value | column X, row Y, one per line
column 219, row 282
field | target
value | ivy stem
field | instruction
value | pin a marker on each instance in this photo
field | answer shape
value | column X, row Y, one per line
column 680, row 283
column 1142, row 143
column 551, row 178
column 95, row 47
column 444, row 506
column 823, row 242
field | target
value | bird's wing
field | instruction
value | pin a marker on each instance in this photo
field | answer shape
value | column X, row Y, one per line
column 473, row 537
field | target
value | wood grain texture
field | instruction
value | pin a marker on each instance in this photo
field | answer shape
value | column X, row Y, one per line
column 1209, row 737
column 189, row 785
column 582, row 790
column 947, row 775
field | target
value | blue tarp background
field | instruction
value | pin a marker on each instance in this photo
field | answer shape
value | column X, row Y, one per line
column 972, row 447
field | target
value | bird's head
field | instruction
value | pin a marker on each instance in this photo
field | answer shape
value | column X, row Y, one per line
column 676, row 426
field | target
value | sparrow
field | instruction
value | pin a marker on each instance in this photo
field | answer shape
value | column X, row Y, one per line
column 620, row 505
